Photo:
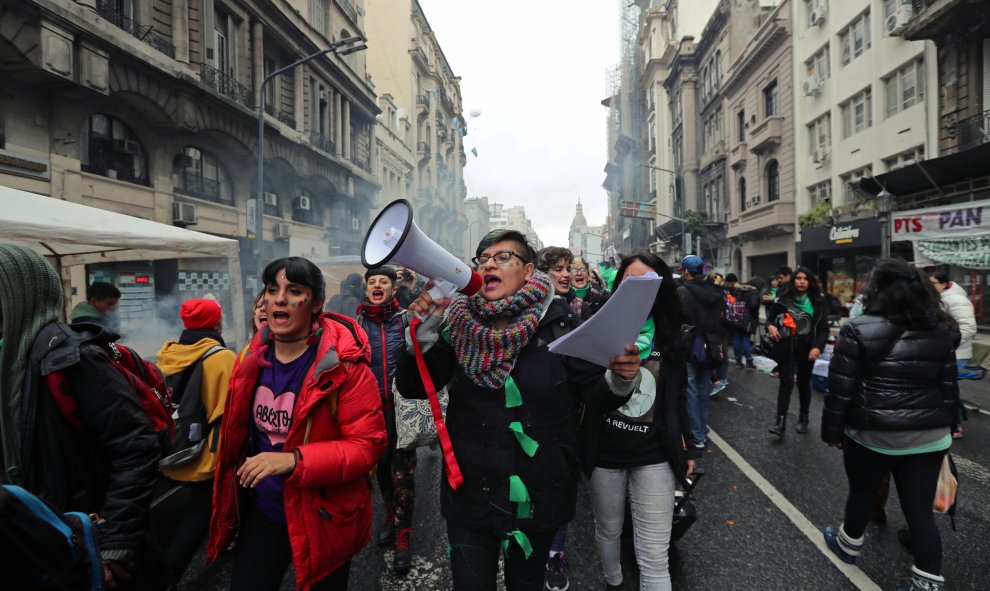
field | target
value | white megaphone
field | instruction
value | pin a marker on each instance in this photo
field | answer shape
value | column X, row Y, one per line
column 394, row 238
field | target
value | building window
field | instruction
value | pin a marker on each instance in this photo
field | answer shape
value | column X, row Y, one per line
column 820, row 192
column 318, row 16
column 201, row 175
column 771, row 101
column 304, row 207
column 773, row 181
column 818, row 65
column 741, row 125
column 855, row 38
column 742, row 193
column 916, row 154
column 109, row 148
column 820, row 133
column 850, row 183
column 904, row 88
column 857, row 113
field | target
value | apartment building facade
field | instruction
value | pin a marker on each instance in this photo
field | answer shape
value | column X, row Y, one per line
column 405, row 61
column 940, row 214
column 149, row 108
column 865, row 103
column 759, row 138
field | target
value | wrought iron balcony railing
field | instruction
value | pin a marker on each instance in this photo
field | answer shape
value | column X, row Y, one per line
column 108, row 11
column 973, row 131
column 226, row 85
column 322, row 142
column 282, row 116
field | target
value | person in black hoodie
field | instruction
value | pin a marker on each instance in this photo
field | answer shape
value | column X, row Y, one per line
column 703, row 305
column 799, row 321
column 101, row 457
column 891, row 406
column 639, row 448
column 512, row 416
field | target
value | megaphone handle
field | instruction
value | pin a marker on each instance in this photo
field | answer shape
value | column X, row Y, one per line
column 441, row 290
column 453, row 470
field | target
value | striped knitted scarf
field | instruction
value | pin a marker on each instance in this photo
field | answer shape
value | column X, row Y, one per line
column 485, row 353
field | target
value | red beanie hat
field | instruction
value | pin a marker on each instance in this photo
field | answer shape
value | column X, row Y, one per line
column 198, row 314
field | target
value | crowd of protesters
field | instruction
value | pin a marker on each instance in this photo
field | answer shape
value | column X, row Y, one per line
column 289, row 430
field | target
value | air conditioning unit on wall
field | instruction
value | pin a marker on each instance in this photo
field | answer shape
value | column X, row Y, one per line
column 897, row 22
column 819, row 155
column 812, row 86
column 303, row 203
column 281, row 231
column 271, row 198
column 817, row 15
column 184, row 214
column 127, row 146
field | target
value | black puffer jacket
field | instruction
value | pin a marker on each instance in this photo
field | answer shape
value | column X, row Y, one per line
column 111, row 466
column 704, row 305
column 552, row 388
column 873, row 385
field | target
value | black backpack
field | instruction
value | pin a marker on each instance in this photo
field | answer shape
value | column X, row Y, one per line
column 192, row 428
column 43, row 549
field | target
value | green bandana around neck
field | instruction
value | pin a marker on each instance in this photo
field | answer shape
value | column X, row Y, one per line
column 582, row 292
column 804, row 303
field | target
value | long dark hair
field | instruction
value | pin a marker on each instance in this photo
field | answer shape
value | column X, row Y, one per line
column 788, row 293
column 905, row 296
column 666, row 311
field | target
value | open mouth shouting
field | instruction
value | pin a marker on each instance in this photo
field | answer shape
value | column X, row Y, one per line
column 280, row 318
column 491, row 282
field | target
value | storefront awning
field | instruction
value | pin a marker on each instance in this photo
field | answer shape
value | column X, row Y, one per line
column 920, row 176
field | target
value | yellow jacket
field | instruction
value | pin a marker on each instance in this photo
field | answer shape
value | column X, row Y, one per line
column 174, row 357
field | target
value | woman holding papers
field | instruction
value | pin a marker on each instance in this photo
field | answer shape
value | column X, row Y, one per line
column 639, row 447
column 512, row 413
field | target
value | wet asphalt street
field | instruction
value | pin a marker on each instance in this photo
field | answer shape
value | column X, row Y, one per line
column 761, row 506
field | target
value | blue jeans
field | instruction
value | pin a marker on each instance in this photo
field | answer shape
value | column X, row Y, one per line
column 741, row 345
column 651, row 500
column 699, row 391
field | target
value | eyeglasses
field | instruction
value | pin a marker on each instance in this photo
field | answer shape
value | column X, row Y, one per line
column 501, row 258
column 577, row 270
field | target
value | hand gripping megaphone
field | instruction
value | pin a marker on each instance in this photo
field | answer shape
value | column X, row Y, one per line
column 394, row 238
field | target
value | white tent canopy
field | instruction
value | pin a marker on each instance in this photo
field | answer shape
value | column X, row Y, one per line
column 75, row 234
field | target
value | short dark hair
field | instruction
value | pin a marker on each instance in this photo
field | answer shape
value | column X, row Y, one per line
column 101, row 291
column 385, row 270
column 941, row 277
column 552, row 255
column 500, row 234
column 299, row 271
column 732, row 277
column 784, row 270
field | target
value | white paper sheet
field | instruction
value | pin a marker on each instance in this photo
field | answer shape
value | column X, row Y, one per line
column 615, row 325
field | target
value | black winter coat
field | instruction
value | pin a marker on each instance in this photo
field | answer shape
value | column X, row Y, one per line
column 553, row 387
column 704, row 305
column 111, row 466
column 878, row 384
column 819, row 323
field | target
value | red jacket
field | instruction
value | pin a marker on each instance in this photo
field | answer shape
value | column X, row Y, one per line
column 337, row 426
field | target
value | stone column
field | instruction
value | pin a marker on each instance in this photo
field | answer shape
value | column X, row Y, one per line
column 347, row 128
column 338, row 123
column 180, row 30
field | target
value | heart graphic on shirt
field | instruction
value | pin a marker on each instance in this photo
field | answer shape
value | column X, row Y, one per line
column 273, row 414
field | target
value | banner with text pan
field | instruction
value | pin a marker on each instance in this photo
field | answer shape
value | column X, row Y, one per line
column 950, row 221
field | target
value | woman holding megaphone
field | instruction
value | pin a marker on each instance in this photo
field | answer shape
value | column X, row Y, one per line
column 512, row 412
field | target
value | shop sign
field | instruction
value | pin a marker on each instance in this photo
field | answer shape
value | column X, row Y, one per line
column 309, row 249
column 843, row 234
column 24, row 165
column 972, row 253
column 950, row 221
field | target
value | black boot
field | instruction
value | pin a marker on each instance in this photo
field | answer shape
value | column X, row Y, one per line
column 802, row 426
column 402, row 562
column 779, row 426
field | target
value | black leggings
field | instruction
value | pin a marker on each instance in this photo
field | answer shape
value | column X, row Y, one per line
column 263, row 554
column 474, row 560
column 182, row 525
column 916, row 477
column 795, row 363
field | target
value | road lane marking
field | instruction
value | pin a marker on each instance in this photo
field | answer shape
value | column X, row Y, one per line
column 971, row 470
column 854, row 574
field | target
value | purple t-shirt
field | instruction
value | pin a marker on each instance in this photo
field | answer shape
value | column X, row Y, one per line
column 271, row 409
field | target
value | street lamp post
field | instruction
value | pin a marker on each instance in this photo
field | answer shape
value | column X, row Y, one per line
column 884, row 203
column 341, row 48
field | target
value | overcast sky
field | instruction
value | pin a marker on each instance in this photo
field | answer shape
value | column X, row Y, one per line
column 536, row 71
